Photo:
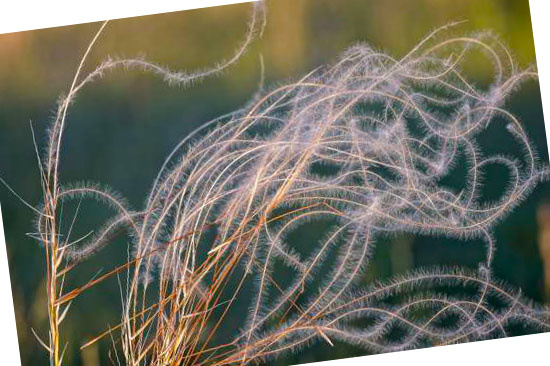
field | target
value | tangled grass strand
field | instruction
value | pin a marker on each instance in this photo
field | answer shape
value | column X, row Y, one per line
column 363, row 146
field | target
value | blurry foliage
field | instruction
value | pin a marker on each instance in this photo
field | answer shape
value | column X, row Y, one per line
column 36, row 66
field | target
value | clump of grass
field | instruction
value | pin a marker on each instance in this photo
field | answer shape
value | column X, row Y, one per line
column 365, row 144
column 60, row 255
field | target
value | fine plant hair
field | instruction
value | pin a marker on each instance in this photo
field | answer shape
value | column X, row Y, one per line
column 365, row 144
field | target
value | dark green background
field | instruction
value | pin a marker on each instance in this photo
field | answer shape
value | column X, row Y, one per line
column 122, row 127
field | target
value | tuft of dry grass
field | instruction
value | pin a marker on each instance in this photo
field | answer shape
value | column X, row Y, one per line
column 365, row 144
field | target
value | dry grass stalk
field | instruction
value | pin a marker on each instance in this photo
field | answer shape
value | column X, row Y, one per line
column 364, row 144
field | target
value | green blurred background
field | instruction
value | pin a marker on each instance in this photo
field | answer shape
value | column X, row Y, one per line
column 122, row 127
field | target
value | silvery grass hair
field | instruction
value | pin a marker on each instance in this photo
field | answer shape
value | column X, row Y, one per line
column 364, row 144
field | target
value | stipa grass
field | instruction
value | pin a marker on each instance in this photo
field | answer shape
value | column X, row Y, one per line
column 365, row 144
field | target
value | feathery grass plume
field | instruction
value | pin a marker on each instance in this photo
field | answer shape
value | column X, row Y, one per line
column 363, row 146
column 62, row 256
